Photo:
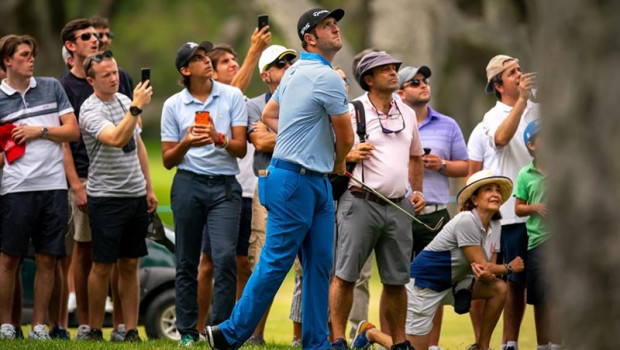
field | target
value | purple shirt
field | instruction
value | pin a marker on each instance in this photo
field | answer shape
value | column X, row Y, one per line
column 443, row 136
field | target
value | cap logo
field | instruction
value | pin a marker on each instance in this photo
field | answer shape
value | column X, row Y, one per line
column 318, row 13
column 191, row 44
column 303, row 30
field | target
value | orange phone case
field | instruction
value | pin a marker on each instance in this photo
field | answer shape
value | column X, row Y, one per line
column 203, row 117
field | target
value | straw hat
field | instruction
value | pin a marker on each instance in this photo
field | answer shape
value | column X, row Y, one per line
column 482, row 178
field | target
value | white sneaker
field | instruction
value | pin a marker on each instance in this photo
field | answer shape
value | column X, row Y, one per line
column 72, row 304
column 7, row 331
column 83, row 332
column 38, row 332
column 118, row 334
column 108, row 305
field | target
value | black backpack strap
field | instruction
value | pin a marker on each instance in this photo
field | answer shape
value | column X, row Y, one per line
column 360, row 116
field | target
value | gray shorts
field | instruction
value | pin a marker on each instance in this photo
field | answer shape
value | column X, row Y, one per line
column 363, row 226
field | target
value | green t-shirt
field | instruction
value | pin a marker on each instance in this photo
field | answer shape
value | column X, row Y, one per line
column 531, row 188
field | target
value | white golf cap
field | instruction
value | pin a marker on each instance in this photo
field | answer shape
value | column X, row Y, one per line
column 272, row 54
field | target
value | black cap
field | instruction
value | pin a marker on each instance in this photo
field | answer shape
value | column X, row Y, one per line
column 312, row 17
column 187, row 50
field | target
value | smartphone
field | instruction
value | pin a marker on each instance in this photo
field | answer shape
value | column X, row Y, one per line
column 203, row 117
column 263, row 20
column 427, row 150
column 146, row 74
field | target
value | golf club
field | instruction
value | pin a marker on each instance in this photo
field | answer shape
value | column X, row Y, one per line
column 368, row 188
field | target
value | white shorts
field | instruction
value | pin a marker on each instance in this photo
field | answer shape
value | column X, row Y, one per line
column 422, row 304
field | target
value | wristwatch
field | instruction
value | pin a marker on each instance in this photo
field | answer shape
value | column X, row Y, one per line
column 135, row 111
column 443, row 166
column 44, row 132
column 508, row 268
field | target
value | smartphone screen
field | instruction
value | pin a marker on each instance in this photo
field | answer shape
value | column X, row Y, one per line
column 146, row 74
column 203, row 117
column 263, row 20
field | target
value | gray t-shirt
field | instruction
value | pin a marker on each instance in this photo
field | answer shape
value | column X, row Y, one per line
column 255, row 108
column 113, row 172
column 442, row 263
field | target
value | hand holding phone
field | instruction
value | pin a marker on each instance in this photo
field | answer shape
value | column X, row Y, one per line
column 146, row 74
column 263, row 20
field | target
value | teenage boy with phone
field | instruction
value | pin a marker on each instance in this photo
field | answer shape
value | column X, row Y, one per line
column 204, row 190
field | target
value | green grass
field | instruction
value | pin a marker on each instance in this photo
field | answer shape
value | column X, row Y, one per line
column 456, row 334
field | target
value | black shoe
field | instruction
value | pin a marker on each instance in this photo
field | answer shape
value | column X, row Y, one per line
column 132, row 336
column 95, row 335
column 19, row 333
column 406, row 345
column 216, row 339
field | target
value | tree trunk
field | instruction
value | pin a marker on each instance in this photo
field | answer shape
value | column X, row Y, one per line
column 577, row 49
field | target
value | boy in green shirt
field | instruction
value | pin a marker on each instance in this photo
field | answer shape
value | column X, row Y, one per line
column 530, row 193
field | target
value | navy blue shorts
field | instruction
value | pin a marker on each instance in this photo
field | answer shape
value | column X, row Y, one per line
column 39, row 217
column 245, row 230
column 537, row 278
column 118, row 227
column 513, row 243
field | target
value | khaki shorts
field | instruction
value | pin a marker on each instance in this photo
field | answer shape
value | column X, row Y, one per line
column 79, row 225
column 259, row 224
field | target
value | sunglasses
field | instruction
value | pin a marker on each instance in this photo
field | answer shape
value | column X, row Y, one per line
column 281, row 63
column 418, row 82
column 97, row 58
column 86, row 36
column 110, row 35
column 390, row 119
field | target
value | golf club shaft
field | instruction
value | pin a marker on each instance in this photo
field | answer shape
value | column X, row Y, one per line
column 368, row 188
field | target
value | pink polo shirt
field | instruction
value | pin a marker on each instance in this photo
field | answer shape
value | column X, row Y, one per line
column 387, row 168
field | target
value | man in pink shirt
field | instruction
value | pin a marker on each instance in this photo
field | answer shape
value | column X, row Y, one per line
column 390, row 157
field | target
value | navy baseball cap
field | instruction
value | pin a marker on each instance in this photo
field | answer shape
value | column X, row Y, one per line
column 187, row 50
column 313, row 17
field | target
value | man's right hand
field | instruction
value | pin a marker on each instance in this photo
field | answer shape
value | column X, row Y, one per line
column 527, row 82
column 142, row 94
column 517, row 265
column 79, row 195
column 360, row 152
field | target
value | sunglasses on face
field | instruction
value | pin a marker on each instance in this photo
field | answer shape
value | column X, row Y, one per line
column 86, row 36
column 281, row 63
column 110, row 35
column 97, row 58
column 418, row 82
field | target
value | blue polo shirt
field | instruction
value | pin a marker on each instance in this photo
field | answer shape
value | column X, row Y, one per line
column 310, row 91
column 443, row 136
column 226, row 105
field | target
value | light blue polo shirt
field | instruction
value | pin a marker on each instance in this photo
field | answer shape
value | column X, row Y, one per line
column 226, row 105
column 310, row 91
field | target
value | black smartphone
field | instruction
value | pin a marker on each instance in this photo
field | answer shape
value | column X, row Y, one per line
column 146, row 74
column 427, row 150
column 263, row 20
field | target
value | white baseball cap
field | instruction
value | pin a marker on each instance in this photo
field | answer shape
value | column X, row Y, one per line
column 272, row 54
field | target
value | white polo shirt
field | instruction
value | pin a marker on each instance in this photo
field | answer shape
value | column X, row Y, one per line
column 512, row 157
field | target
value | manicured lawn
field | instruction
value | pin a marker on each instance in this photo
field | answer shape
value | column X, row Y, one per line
column 456, row 334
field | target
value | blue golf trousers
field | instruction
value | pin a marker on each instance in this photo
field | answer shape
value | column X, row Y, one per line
column 300, row 220
column 197, row 200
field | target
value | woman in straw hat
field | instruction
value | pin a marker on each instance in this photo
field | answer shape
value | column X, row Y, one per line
column 455, row 268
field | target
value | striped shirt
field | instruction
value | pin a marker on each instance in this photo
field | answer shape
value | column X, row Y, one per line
column 41, row 167
column 112, row 172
